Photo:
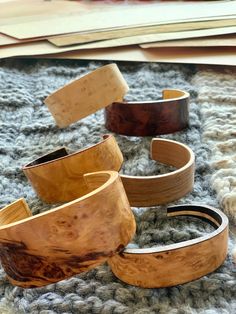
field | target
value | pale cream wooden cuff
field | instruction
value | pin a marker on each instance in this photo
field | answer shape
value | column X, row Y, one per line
column 178, row 263
column 86, row 95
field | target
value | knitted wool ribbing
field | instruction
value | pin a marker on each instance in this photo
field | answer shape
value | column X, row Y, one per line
column 217, row 100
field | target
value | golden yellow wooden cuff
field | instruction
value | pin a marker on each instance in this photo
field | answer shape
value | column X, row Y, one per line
column 58, row 177
column 165, row 188
column 178, row 263
column 86, row 95
column 64, row 241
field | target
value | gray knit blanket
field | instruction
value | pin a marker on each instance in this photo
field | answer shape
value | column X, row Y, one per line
column 27, row 130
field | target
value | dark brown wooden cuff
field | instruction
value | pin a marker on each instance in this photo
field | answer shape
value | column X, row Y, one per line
column 146, row 118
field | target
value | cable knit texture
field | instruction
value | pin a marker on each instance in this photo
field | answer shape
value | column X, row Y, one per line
column 217, row 99
column 28, row 131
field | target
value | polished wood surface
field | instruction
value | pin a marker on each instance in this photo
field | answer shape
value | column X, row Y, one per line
column 86, row 95
column 165, row 188
column 64, row 241
column 168, row 115
column 176, row 263
column 58, row 177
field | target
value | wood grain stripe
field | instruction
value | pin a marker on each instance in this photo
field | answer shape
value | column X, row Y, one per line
column 161, row 189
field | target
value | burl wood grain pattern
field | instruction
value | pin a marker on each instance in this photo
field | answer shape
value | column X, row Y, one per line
column 64, row 241
column 58, row 177
column 165, row 188
column 176, row 263
column 145, row 118
column 86, row 95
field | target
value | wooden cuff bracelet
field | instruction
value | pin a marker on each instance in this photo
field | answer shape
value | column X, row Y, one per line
column 64, row 241
column 58, row 177
column 165, row 188
column 86, row 95
column 178, row 263
column 145, row 118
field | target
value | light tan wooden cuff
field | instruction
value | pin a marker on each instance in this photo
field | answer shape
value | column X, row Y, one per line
column 58, row 177
column 162, row 189
column 86, row 95
column 178, row 263
column 64, row 241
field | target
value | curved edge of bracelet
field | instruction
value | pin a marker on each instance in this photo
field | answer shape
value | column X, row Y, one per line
column 58, row 176
column 69, row 239
column 62, row 153
column 161, row 189
column 148, row 118
column 167, row 94
column 177, row 263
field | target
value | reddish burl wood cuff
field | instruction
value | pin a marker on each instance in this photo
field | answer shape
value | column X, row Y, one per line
column 146, row 118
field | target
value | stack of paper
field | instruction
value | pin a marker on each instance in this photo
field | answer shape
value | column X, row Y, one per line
column 192, row 32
